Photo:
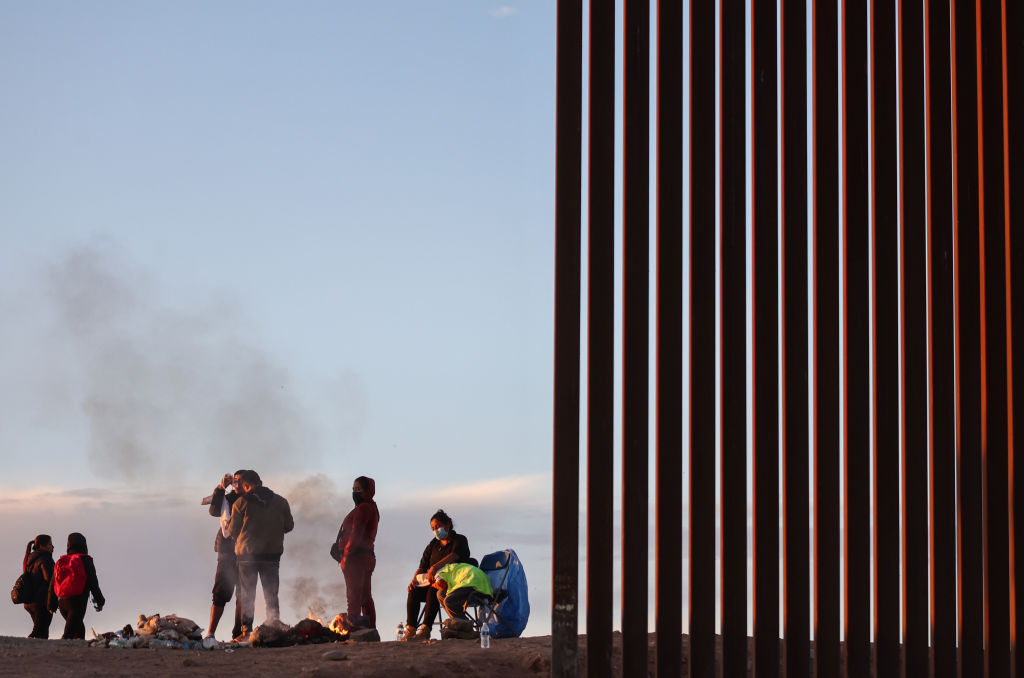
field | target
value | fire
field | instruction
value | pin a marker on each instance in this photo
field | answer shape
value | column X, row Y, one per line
column 315, row 618
column 340, row 625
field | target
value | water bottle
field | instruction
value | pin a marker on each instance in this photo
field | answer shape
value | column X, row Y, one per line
column 485, row 636
column 400, row 632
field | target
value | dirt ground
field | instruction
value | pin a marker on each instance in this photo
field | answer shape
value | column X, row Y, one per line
column 464, row 658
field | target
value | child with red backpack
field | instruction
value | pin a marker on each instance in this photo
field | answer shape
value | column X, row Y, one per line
column 74, row 578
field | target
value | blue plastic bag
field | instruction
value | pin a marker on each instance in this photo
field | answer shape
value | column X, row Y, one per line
column 507, row 616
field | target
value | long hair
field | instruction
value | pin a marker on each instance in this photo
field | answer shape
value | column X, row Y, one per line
column 77, row 543
column 41, row 541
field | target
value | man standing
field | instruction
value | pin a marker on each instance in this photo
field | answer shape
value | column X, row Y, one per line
column 259, row 521
column 225, row 582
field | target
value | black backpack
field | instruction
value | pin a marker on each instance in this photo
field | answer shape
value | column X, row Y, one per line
column 23, row 589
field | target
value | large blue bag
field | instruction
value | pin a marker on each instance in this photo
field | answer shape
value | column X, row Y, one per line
column 507, row 616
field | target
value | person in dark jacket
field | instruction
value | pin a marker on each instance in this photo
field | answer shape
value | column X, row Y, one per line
column 355, row 543
column 73, row 608
column 259, row 521
column 225, row 581
column 447, row 546
column 38, row 563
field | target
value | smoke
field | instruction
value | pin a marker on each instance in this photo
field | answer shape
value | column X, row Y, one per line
column 161, row 387
column 307, row 598
column 318, row 509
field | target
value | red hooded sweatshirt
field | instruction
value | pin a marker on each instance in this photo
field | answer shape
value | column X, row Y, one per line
column 359, row 529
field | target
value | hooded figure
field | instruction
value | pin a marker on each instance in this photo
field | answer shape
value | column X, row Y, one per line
column 73, row 607
column 355, row 543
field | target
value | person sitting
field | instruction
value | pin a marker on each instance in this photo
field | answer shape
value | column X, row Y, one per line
column 447, row 547
column 455, row 584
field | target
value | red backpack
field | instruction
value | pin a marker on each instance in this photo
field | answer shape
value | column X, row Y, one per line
column 69, row 576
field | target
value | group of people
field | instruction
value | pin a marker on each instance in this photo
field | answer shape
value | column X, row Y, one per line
column 65, row 585
column 446, row 577
column 249, row 544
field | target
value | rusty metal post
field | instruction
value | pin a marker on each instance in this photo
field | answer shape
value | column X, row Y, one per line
column 885, row 310
column 565, row 499
column 600, row 337
column 796, row 526
column 942, row 415
column 856, row 343
column 669, row 380
column 915, row 346
column 765, row 301
column 967, row 274
column 826, row 340
column 733, row 274
column 993, row 342
column 669, row 524
column 636, row 252
column 702, row 340
column 968, row 364
column 1014, row 113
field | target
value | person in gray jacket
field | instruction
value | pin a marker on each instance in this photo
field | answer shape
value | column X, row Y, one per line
column 259, row 520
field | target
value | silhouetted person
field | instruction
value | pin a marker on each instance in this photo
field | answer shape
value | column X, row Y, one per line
column 355, row 541
column 74, row 578
column 447, row 546
column 259, row 521
column 225, row 581
column 38, row 564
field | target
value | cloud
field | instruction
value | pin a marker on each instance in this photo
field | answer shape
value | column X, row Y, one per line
column 503, row 12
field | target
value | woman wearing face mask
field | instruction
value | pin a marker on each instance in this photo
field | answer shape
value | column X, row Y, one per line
column 446, row 547
column 355, row 544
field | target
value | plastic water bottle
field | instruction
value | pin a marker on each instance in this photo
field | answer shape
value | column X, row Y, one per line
column 400, row 632
column 485, row 636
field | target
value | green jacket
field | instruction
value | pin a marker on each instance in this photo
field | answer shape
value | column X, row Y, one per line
column 460, row 575
column 259, row 520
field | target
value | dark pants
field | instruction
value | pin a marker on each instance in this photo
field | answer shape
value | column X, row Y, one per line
column 41, row 618
column 268, row 569
column 455, row 602
column 225, row 583
column 426, row 595
column 73, row 610
column 358, row 570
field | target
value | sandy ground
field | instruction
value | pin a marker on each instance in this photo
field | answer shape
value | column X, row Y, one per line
column 463, row 658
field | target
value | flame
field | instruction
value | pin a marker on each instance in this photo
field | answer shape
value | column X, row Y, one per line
column 340, row 625
column 315, row 618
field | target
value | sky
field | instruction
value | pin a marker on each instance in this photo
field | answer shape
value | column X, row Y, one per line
column 311, row 239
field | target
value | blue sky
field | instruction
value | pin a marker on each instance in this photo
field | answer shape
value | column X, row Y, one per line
column 315, row 239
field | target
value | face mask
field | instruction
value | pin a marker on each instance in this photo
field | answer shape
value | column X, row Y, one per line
column 357, row 497
column 441, row 533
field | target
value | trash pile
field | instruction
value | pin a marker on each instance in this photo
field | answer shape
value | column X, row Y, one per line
column 172, row 632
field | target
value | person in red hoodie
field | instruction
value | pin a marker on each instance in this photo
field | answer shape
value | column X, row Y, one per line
column 355, row 544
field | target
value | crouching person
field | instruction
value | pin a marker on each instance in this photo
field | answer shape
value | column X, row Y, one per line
column 259, row 521
column 455, row 583
column 74, row 578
